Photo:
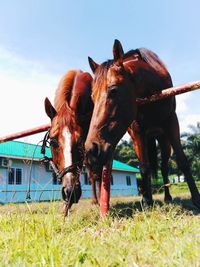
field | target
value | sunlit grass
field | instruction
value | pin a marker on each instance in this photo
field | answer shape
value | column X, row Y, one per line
column 37, row 235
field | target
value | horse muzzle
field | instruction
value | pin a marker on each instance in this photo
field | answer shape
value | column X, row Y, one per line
column 98, row 155
column 71, row 194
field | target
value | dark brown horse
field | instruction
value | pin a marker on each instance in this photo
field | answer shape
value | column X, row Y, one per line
column 70, row 119
column 117, row 84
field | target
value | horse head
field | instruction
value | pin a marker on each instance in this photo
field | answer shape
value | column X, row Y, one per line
column 66, row 148
column 69, row 126
column 114, row 109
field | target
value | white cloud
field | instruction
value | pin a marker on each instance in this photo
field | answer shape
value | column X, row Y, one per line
column 188, row 120
column 182, row 103
column 23, row 87
column 185, row 114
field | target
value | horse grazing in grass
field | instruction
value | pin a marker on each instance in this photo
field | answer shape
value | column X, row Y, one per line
column 70, row 119
column 117, row 83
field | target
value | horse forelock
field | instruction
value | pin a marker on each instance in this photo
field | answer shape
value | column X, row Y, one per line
column 100, row 81
column 67, row 118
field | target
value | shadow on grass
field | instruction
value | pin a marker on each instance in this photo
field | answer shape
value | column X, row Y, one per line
column 127, row 209
column 186, row 204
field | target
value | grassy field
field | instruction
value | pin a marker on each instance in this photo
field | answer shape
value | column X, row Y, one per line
column 37, row 235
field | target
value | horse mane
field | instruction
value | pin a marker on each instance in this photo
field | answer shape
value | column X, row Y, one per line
column 146, row 55
column 152, row 59
column 63, row 92
column 66, row 116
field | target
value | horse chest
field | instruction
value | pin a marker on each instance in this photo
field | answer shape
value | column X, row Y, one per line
column 154, row 114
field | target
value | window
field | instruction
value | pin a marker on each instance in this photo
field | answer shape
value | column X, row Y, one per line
column 128, row 180
column 18, row 176
column 14, row 176
column 11, row 176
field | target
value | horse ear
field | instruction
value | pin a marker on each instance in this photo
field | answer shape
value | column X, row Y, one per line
column 118, row 52
column 93, row 64
column 50, row 110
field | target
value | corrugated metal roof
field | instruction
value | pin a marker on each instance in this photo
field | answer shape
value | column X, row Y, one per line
column 22, row 150
column 117, row 165
column 25, row 150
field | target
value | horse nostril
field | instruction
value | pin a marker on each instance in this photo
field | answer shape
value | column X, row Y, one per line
column 98, row 154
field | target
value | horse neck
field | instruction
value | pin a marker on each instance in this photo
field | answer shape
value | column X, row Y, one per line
column 147, row 79
column 81, row 103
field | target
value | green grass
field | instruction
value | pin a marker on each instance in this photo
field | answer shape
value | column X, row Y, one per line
column 37, row 235
column 175, row 188
column 181, row 187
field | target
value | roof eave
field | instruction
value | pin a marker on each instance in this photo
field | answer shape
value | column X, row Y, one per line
column 118, row 169
column 18, row 157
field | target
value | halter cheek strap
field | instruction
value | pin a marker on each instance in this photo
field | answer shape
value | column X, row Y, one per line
column 72, row 168
column 59, row 175
column 45, row 142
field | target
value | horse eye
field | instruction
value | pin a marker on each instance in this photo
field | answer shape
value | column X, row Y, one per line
column 54, row 143
column 112, row 92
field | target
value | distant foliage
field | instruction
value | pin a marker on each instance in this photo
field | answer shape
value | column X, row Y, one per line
column 191, row 145
column 126, row 153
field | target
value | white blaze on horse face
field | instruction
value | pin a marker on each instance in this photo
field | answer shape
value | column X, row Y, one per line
column 67, row 151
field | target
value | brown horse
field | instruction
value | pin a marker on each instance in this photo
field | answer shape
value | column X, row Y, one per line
column 117, row 84
column 70, row 119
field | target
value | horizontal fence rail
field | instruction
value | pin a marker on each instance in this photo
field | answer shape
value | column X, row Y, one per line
column 176, row 90
column 25, row 133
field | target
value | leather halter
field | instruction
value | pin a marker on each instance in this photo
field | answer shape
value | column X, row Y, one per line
column 59, row 174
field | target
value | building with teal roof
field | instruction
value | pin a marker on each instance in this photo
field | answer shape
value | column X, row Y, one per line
column 24, row 177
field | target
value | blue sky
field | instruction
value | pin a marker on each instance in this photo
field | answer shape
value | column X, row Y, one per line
column 40, row 40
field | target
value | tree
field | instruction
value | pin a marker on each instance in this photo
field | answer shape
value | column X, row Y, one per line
column 191, row 144
column 125, row 152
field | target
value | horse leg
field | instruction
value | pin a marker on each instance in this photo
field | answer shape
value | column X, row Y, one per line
column 93, row 185
column 152, row 156
column 99, row 189
column 139, row 143
column 172, row 128
column 94, row 194
column 105, row 190
column 165, row 149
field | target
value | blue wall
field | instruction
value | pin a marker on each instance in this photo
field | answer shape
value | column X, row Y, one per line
column 42, row 188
